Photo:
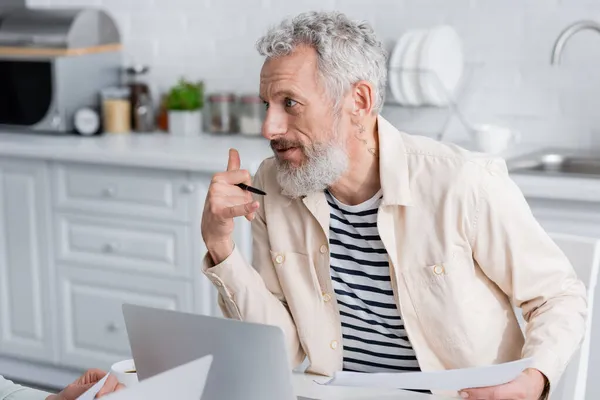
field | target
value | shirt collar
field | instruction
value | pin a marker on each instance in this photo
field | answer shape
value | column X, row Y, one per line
column 393, row 165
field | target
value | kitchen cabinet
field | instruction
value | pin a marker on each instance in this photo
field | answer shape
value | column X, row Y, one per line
column 26, row 278
column 88, row 224
column 123, row 235
column 81, row 239
column 564, row 214
column 93, row 330
column 567, row 216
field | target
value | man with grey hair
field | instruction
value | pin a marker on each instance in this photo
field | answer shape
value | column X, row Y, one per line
column 379, row 251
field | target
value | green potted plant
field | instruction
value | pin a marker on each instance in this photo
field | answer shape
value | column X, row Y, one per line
column 184, row 103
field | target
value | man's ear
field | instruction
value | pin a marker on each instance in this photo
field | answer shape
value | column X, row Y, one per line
column 363, row 94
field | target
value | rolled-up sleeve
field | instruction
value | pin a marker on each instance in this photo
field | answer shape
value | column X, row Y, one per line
column 516, row 253
column 11, row 391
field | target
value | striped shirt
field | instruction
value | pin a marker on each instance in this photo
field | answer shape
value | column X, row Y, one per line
column 373, row 333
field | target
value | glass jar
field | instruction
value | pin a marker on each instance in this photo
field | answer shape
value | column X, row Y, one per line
column 222, row 116
column 251, row 115
column 116, row 110
column 142, row 112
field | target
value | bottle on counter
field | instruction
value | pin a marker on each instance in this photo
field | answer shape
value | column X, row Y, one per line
column 116, row 110
column 222, row 116
column 162, row 118
column 251, row 115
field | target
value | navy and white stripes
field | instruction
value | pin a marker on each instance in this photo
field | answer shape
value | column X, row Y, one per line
column 373, row 333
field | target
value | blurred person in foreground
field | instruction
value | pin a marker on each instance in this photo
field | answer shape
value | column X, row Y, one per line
column 11, row 391
column 378, row 251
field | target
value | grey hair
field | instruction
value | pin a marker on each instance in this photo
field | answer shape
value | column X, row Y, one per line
column 348, row 51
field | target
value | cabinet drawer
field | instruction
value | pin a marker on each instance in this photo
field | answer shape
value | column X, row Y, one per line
column 124, row 191
column 93, row 330
column 159, row 249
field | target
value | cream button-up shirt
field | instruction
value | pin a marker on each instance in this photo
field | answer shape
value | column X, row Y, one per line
column 463, row 248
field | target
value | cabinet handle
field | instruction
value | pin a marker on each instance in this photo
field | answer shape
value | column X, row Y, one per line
column 109, row 192
column 188, row 188
column 110, row 247
column 112, row 327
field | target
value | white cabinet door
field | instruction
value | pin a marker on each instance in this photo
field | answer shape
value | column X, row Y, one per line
column 93, row 330
column 26, row 310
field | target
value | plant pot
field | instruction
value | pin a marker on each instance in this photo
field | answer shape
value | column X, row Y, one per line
column 185, row 123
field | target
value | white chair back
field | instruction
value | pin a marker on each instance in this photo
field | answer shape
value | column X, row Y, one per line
column 584, row 255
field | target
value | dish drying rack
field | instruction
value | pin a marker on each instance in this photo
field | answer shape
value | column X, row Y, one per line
column 453, row 104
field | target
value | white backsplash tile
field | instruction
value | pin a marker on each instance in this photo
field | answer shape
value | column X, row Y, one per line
column 509, row 40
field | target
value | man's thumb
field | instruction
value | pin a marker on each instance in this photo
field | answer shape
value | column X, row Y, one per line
column 234, row 160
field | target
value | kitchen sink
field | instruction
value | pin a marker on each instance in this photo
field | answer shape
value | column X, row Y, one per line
column 557, row 162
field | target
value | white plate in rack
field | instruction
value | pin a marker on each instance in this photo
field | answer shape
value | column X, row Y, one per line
column 410, row 84
column 442, row 54
column 395, row 66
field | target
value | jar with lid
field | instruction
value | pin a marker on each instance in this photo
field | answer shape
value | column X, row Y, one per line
column 251, row 115
column 116, row 110
column 222, row 115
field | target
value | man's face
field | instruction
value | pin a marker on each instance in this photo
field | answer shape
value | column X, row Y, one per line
column 305, row 131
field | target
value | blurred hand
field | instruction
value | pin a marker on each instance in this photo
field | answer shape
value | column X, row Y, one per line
column 527, row 386
column 86, row 381
column 224, row 202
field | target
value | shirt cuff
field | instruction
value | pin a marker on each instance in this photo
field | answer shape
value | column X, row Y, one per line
column 231, row 276
column 549, row 365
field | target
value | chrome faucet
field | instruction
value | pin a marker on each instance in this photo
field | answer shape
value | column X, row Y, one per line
column 567, row 34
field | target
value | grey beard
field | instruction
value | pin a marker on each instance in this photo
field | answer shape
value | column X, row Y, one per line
column 324, row 165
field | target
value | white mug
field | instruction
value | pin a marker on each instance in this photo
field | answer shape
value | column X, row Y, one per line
column 494, row 139
column 121, row 371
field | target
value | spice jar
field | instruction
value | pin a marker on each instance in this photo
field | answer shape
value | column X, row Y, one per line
column 222, row 113
column 116, row 110
column 251, row 115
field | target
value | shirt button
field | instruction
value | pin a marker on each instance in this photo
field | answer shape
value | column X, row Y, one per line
column 218, row 283
column 279, row 259
column 323, row 249
column 326, row 297
column 438, row 269
column 334, row 344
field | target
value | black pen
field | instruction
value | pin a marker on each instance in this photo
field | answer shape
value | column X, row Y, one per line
column 250, row 189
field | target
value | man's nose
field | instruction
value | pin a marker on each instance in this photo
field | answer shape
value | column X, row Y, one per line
column 275, row 125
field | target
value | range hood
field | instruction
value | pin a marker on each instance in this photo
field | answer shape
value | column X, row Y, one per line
column 57, row 29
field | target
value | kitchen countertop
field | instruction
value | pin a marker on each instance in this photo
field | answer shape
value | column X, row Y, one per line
column 204, row 153
column 549, row 187
column 208, row 153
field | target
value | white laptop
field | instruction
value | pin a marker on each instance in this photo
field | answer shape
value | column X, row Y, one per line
column 250, row 361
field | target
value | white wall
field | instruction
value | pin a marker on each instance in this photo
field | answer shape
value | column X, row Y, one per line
column 510, row 41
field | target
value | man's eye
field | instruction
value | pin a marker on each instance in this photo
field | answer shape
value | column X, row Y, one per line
column 290, row 102
column 266, row 105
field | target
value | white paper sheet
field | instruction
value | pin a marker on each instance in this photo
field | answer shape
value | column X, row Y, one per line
column 456, row 379
column 93, row 391
column 185, row 382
